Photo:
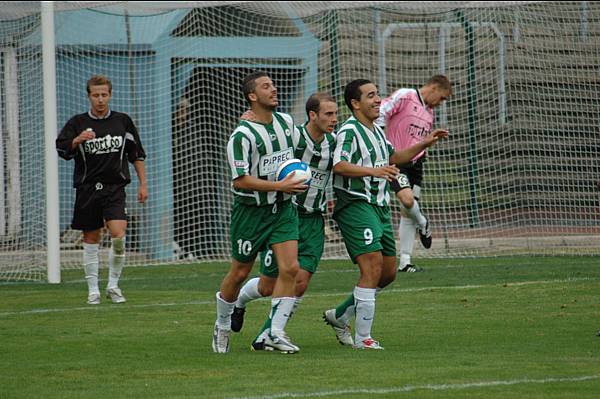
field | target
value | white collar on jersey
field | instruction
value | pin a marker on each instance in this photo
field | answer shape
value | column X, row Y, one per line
column 91, row 115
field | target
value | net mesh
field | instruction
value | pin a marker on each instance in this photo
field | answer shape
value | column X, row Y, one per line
column 519, row 173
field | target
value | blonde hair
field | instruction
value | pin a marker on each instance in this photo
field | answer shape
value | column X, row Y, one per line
column 440, row 81
column 99, row 80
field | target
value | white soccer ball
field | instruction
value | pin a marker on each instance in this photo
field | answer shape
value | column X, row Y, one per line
column 301, row 169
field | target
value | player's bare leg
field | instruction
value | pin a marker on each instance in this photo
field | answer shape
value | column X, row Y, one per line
column 226, row 297
column 388, row 271
column 283, row 299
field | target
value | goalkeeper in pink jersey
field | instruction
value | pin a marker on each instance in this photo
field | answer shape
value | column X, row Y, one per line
column 407, row 116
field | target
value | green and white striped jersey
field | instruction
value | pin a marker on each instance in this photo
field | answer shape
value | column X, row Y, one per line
column 362, row 146
column 257, row 150
column 319, row 156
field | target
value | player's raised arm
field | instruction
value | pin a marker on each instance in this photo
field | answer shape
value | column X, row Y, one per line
column 405, row 155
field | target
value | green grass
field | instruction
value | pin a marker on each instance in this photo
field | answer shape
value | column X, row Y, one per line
column 516, row 327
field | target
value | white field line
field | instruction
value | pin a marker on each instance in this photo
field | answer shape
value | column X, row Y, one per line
column 95, row 308
column 187, row 277
column 427, row 387
column 172, row 278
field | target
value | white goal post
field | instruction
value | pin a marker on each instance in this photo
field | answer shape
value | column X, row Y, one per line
column 518, row 175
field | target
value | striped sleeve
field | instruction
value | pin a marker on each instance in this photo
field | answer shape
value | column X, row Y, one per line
column 238, row 154
column 296, row 135
column 345, row 146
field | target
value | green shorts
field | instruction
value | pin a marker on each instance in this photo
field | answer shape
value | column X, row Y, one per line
column 310, row 246
column 366, row 228
column 254, row 228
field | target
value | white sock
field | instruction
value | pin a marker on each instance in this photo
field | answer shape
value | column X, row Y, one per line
column 91, row 263
column 364, row 298
column 224, row 311
column 349, row 312
column 407, row 231
column 116, row 261
column 281, row 308
column 297, row 301
column 262, row 336
column 249, row 292
column 415, row 214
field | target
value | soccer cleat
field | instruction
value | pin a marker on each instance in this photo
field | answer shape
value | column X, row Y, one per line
column 342, row 331
column 368, row 343
column 409, row 268
column 425, row 235
column 258, row 346
column 279, row 342
column 115, row 295
column 93, row 299
column 237, row 319
column 220, row 342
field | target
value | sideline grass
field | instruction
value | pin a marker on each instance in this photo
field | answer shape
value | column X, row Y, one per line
column 520, row 327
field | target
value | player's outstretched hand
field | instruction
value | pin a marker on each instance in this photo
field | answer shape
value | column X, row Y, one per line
column 291, row 186
column 388, row 172
column 434, row 136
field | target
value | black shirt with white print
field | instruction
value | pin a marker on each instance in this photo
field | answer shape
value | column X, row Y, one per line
column 104, row 158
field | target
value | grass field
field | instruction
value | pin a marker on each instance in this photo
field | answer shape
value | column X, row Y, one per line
column 479, row 328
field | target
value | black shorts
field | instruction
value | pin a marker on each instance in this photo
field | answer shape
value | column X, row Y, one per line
column 411, row 174
column 96, row 203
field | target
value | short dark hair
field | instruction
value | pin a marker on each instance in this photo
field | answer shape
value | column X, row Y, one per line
column 314, row 102
column 249, row 83
column 99, row 80
column 440, row 81
column 352, row 91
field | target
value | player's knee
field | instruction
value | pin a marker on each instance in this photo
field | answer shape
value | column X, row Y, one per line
column 408, row 202
column 118, row 246
column 289, row 270
column 240, row 275
column 406, row 198
column 373, row 269
column 239, row 271
column 236, row 276
column 266, row 286
column 92, row 237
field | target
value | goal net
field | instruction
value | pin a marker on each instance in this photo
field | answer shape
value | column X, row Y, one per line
column 519, row 173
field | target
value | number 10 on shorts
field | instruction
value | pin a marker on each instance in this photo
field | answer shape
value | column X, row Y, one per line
column 244, row 247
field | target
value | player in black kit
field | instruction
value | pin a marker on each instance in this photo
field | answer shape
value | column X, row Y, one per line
column 102, row 141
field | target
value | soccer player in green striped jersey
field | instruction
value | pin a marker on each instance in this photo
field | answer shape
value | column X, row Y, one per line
column 314, row 144
column 364, row 164
column 262, row 213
